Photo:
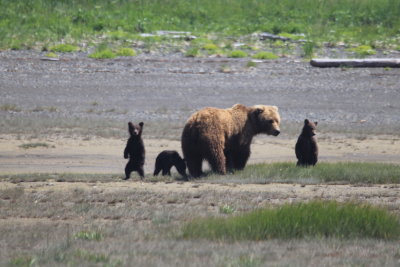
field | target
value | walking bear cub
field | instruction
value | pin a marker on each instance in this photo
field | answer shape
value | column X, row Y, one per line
column 168, row 158
column 134, row 150
column 306, row 146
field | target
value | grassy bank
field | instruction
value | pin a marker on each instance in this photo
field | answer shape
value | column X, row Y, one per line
column 286, row 172
column 314, row 219
column 24, row 24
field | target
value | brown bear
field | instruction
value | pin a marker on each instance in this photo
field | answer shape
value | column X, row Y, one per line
column 306, row 146
column 168, row 158
column 223, row 136
column 135, row 151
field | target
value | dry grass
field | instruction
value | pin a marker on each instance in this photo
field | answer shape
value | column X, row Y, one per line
column 95, row 226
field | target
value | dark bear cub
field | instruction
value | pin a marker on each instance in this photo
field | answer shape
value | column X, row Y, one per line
column 306, row 146
column 134, row 150
column 168, row 158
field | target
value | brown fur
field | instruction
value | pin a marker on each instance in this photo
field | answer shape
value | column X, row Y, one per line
column 223, row 136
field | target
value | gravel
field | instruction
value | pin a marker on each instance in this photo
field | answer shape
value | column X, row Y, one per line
column 86, row 96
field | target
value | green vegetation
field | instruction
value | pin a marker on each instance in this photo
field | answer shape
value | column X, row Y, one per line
column 363, row 50
column 265, row 55
column 10, row 108
column 103, row 54
column 51, row 55
column 34, row 145
column 237, row 54
column 30, row 23
column 63, row 48
column 317, row 219
column 341, row 172
column 126, row 52
column 89, row 235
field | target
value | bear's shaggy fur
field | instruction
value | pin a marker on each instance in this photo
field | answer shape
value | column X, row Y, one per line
column 168, row 158
column 223, row 136
column 306, row 147
column 134, row 150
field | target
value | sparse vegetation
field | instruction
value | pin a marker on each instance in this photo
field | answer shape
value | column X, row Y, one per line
column 34, row 145
column 237, row 54
column 265, row 55
column 10, row 108
column 317, row 219
column 103, row 54
column 63, row 48
column 363, row 50
column 126, row 52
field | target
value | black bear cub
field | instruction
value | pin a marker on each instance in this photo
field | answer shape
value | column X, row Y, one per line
column 134, row 150
column 306, row 146
column 168, row 158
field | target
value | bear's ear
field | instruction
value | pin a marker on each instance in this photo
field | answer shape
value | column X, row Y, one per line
column 141, row 124
column 258, row 111
column 306, row 121
column 275, row 107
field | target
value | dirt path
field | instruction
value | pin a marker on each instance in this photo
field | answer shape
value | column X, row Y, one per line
column 100, row 155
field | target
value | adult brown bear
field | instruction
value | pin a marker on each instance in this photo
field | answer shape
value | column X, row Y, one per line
column 223, row 136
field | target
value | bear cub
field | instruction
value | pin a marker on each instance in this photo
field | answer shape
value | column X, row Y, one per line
column 134, row 150
column 306, row 146
column 168, row 158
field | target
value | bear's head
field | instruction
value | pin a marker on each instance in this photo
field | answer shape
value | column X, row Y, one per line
column 135, row 130
column 310, row 128
column 265, row 119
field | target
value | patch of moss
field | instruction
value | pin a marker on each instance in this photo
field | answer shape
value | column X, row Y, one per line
column 237, row 54
column 103, row 54
column 363, row 50
column 265, row 55
column 126, row 52
column 63, row 48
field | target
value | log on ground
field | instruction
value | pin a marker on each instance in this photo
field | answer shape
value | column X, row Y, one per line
column 356, row 63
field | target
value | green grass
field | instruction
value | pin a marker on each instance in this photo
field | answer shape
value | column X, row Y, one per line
column 89, row 235
column 316, row 219
column 341, row 172
column 363, row 50
column 27, row 23
column 237, row 54
column 126, row 52
column 265, row 55
column 63, row 48
column 103, row 54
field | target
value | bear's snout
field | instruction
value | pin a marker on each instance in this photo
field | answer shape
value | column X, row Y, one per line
column 276, row 133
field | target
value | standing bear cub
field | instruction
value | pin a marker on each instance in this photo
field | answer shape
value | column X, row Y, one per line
column 223, row 136
column 168, row 158
column 306, row 147
column 134, row 150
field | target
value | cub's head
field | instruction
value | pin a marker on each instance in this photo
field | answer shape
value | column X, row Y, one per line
column 310, row 128
column 265, row 119
column 135, row 130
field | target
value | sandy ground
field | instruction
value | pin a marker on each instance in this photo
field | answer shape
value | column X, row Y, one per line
column 100, row 155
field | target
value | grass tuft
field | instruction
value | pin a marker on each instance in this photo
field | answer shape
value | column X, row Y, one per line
column 34, row 145
column 89, row 235
column 63, row 48
column 237, row 54
column 126, row 52
column 103, row 54
column 363, row 50
column 316, row 219
column 265, row 55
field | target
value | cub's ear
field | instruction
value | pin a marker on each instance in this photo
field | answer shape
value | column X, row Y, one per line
column 306, row 121
column 141, row 124
column 131, row 129
column 316, row 123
